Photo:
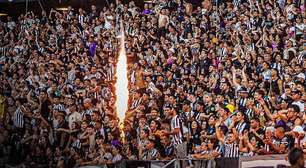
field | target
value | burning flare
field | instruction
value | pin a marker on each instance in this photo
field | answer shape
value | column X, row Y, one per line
column 121, row 85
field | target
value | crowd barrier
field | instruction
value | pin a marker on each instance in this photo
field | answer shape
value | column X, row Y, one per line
column 175, row 163
column 266, row 161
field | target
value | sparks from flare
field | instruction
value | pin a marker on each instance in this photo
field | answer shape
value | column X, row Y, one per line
column 121, row 85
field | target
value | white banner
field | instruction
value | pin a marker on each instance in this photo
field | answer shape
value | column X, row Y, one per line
column 267, row 161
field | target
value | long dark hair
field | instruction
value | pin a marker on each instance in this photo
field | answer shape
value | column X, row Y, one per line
column 198, row 129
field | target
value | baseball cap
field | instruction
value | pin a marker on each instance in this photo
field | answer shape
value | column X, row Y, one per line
column 280, row 123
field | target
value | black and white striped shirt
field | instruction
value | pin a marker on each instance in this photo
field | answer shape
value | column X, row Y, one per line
column 278, row 66
column 81, row 19
column 267, row 148
column 4, row 50
column 242, row 103
column 240, row 127
column 151, row 154
column 249, row 113
column 136, row 103
column 77, row 144
column 237, row 3
column 87, row 112
column 176, row 124
column 59, row 107
column 231, row 150
column 18, row 118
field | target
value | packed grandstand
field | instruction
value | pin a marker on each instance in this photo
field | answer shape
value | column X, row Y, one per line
column 223, row 79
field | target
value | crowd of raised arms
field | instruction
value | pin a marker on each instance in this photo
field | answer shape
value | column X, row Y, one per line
column 222, row 79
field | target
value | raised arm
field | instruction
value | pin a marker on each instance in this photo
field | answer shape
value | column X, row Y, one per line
column 266, row 109
column 220, row 136
column 244, row 76
column 280, row 86
column 234, row 77
column 29, row 98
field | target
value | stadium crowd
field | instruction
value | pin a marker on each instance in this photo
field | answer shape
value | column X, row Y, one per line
column 222, row 79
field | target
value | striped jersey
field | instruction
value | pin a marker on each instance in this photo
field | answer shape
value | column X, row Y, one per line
column 242, row 103
column 240, row 127
column 59, row 107
column 77, row 144
column 150, row 154
column 18, row 118
column 176, row 123
column 249, row 113
column 231, row 150
column 136, row 103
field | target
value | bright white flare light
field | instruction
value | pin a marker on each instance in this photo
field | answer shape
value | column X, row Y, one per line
column 121, row 85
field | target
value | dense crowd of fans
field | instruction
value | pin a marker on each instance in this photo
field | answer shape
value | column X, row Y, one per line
column 222, row 79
